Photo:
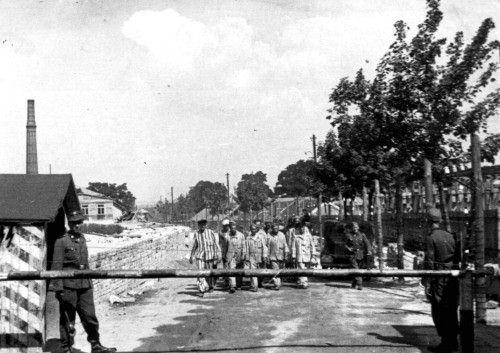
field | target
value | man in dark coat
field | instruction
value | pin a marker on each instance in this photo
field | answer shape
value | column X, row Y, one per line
column 358, row 247
column 75, row 295
column 442, row 292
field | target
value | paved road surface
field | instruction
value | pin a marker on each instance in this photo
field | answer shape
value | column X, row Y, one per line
column 327, row 317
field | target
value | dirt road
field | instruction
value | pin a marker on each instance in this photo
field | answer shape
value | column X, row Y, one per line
column 327, row 317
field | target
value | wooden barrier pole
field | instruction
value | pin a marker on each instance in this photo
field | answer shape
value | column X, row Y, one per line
column 178, row 273
column 466, row 301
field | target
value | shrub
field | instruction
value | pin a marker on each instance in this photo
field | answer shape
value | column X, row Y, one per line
column 107, row 229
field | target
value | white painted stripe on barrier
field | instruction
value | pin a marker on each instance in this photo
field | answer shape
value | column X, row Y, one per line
column 34, row 251
column 22, row 314
column 23, row 291
column 14, row 261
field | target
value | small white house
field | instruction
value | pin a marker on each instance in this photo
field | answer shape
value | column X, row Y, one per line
column 97, row 207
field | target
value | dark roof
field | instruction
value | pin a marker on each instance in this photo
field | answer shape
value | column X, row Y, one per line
column 26, row 199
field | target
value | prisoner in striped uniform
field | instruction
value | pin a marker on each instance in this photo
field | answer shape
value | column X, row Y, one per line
column 206, row 251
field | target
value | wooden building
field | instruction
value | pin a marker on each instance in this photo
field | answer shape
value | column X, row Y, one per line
column 33, row 212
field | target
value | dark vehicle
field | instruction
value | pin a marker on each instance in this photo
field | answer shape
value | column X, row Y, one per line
column 333, row 254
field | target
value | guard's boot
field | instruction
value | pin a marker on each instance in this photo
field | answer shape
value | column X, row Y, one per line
column 99, row 348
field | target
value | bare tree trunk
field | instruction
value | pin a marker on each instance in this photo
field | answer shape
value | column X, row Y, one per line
column 378, row 225
column 320, row 214
column 429, row 189
column 444, row 207
column 341, row 206
column 365, row 203
column 399, row 223
column 478, row 194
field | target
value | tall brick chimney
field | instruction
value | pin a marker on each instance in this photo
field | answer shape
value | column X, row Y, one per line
column 31, row 155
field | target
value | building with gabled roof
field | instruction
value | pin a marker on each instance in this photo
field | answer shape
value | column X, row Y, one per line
column 97, row 207
column 33, row 211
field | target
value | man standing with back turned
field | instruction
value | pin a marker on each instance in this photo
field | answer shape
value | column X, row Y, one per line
column 442, row 292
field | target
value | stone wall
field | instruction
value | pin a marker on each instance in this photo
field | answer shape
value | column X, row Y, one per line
column 165, row 252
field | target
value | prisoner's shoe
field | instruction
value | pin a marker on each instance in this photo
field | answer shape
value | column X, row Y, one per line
column 210, row 289
column 99, row 348
column 359, row 287
column 232, row 290
column 253, row 289
column 276, row 288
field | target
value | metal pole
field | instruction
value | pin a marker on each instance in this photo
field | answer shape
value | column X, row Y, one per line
column 171, row 273
column 320, row 196
column 228, row 194
column 172, row 206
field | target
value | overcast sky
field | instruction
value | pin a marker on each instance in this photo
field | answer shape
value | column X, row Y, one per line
column 166, row 93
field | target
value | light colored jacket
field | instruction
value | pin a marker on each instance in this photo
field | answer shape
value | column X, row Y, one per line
column 256, row 249
column 234, row 247
column 303, row 249
column 206, row 246
column 277, row 247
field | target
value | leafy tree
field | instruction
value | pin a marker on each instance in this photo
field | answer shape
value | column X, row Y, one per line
column 206, row 194
column 217, row 198
column 252, row 192
column 298, row 179
column 163, row 208
column 119, row 193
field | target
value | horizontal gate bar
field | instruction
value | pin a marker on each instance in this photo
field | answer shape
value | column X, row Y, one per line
column 174, row 273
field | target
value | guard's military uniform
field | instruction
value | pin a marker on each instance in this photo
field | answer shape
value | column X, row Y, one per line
column 443, row 292
column 74, row 295
column 357, row 248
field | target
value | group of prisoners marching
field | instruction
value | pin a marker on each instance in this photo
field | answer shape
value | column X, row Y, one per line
column 273, row 247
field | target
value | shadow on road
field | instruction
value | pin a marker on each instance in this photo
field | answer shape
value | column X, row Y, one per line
column 246, row 348
column 414, row 336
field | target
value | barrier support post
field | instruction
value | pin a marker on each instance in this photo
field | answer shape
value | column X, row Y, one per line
column 466, row 301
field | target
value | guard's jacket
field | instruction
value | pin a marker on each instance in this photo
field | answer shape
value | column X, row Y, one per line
column 303, row 249
column 357, row 245
column 441, row 254
column 234, row 247
column 255, row 249
column 277, row 247
column 70, row 253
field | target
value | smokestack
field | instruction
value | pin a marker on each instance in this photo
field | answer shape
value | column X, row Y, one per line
column 31, row 155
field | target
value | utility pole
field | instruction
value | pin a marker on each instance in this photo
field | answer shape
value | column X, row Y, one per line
column 172, row 205
column 228, row 193
column 320, row 196
column 478, row 204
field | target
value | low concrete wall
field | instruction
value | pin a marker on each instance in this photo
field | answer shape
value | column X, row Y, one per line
column 165, row 252
column 149, row 254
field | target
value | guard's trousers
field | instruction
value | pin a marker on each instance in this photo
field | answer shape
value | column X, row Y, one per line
column 79, row 301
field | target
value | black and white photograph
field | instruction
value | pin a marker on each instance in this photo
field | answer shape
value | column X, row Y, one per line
column 261, row 176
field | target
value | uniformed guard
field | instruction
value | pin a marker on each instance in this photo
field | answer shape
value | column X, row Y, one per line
column 207, row 252
column 303, row 252
column 278, row 252
column 75, row 295
column 358, row 247
column 255, row 254
column 442, row 292
column 234, row 254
